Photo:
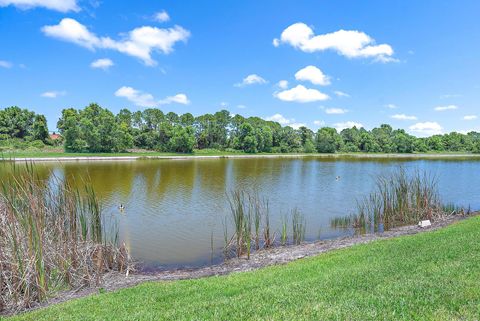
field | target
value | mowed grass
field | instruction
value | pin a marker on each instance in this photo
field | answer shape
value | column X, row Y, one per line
column 428, row 276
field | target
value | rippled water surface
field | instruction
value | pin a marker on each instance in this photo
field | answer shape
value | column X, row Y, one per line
column 173, row 207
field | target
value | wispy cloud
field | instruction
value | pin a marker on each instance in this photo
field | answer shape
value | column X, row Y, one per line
column 53, row 94
column 143, row 99
column 335, row 111
column 282, row 120
column 103, row 63
column 339, row 93
column 251, row 79
column 470, row 117
column 445, row 108
column 5, row 64
column 403, row 117
column 162, row 16
column 282, row 84
column 57, row 5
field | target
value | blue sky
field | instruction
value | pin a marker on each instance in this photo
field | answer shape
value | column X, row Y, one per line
column 413, row 64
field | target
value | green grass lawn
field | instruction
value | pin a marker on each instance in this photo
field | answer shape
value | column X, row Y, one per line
column 428, row 276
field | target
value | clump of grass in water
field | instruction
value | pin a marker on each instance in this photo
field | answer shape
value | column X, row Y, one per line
column 298, row 227
column 247, row 211
column 51, row 237
column 284, row 234
column 398, row 199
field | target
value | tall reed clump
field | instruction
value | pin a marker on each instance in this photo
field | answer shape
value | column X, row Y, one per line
column 52, row 237
column 250, row 215
column 298, row 227
column 248, row 210
column 398, row 199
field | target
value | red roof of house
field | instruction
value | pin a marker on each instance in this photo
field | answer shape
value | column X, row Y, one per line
column 55, row 136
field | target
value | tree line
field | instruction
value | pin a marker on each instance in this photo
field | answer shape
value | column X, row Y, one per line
column 96, row 129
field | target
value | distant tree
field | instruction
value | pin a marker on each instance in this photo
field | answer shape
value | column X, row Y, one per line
column 182, row 140
column 403, row 142
column 40, row 128
column 247, row 139
column 69, row 127
column 328, row 140
column 16, row 122
column 383, row 138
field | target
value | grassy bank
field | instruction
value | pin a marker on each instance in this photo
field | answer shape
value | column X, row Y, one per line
column 426, row 276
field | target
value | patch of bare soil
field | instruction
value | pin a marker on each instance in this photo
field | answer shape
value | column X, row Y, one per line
column 262, row 258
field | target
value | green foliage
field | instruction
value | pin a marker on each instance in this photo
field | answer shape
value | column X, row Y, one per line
column 328, row 140
column 23, row 124
column 97, row 130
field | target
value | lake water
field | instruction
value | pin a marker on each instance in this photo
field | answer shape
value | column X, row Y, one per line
column 174, row 207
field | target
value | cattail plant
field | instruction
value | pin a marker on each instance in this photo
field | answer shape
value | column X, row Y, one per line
column 52, row 236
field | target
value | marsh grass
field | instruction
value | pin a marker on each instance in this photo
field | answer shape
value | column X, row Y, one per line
column 298, row 227
column 252, row 230
column 398, row 199
column 248, row 211
column 52, row 236
column 284, row 232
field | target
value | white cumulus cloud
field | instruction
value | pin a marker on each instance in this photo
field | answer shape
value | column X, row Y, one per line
column 335, row 111
column 318, row 122
column 140, row 42
column 348, row 43
column 470, row 117
column 251, row 79
column 143, row 99
column 348, row 124
column 53, row 94
column 426, row 128
column 162, row 16
column 57, row 5
column 403, row 117
column 313, row 75
column 444, row 108
column 301, row 94
column 103, row 63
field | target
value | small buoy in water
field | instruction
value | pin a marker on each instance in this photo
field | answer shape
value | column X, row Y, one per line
column 121, row 207
column 337, row 178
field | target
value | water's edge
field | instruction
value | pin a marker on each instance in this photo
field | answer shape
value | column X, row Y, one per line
column 184, row 157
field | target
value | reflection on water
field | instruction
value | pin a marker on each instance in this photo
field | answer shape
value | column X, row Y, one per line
column 172, row 207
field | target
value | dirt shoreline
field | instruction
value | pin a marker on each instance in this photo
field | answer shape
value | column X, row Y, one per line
column 184, row 157
column 263, row 258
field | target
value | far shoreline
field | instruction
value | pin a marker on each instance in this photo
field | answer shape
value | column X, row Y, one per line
column 145, row 156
